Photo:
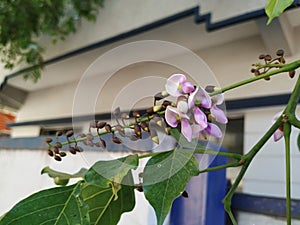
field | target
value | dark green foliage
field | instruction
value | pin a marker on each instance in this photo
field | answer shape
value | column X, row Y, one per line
column 23, row 21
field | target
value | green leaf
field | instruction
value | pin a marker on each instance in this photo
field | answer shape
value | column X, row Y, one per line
column 104, row 173
column 275, row 7
column 103, row 208
column 63, row 178
column 165, row 178
column 60, row 206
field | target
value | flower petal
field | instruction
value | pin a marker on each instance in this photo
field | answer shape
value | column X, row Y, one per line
column 171, row 116
column 213, row 130
column 173, row 85
column 199, row 97
column 218, row 99
column 186, row 129
column 219, row 114
column 200, row 118
column 278, row 134
column 188, row 87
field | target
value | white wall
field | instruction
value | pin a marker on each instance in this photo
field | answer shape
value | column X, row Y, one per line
column 21, row 177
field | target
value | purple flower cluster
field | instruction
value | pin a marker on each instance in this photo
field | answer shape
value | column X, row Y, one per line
column 195, row 109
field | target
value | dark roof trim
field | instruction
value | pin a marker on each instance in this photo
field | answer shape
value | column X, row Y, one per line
column 206, row 18
column 264, row 205
column 246, row 103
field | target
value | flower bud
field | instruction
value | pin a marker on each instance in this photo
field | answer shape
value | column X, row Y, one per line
column 58, row 133
column 280, row 52
column 62, row 154
column 107, row 128
column 137, row 130
column 58, row 145
column 89, row 137
column 50, row 153
column 69, row 133
column 48, row 140
column 116, row 140
column 100, row 124
column 78, row 149
column 136, row 114
column 292, row 73
column 157, row 108
column 57, row 158
column 72, row 150
column 144, row 126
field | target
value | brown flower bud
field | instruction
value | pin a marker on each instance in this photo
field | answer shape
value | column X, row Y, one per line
column 107, row 128
column 58, row 133
column 78, row 149
column 58, row 145
column 69, row 133
column 57, row 158
column 72, row 150
column 116, row 140
column 138, row 130
column 100, row 124
column 136, row 114
column 50, row 153
column 268, row 57
column 48, row 140
column 55, row 150
column 280, row 52
column 62, row 154
column 292, row 73
column 261, row 56
column 150, row 111
column 144, row 126
column 166, row 103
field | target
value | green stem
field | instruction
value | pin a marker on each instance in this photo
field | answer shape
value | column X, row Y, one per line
column 228, row 165
column 247, row 161
column 287, row 133
column 287, row 67
column 211, row 152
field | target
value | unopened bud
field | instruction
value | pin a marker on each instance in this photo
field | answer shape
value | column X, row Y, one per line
column 136, row 114
column 144, row 126
column 72, row 150
column 100, row 124
column 292, row 73
column 116, row 140
column 50, row 153
column 62, row 154
column 280, row 52
column 57, row 158
column 58, row 133
column 157, row 108
column 137, row 130
column 48, row 140
column 108, row 128
column 89, row 137
column 58, row 145
column 69, row 133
